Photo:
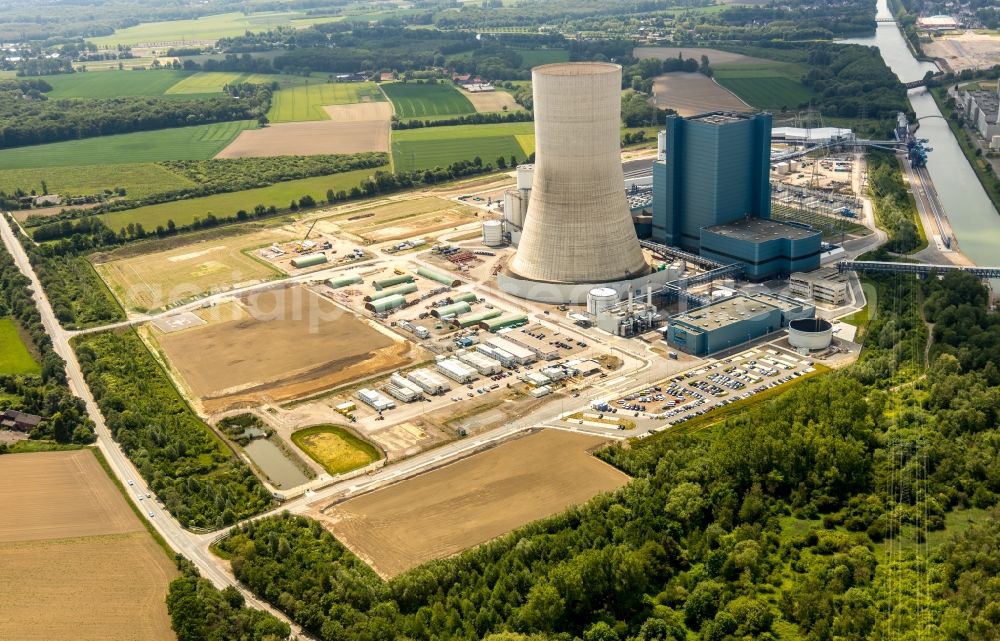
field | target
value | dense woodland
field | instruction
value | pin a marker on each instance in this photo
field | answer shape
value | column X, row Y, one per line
column 808, row 516
column 47, row 394
column 194, row 474
column 894, row 207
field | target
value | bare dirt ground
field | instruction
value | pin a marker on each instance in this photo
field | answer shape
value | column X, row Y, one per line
column 487, row 101
column 400, row 219
column 76, row 563
column 715, row 56
column 693, row 93
column 969, row 50
column 278, row 345
column 352, row 129
column 161, row 279
column 470, row 502
column 22, row 215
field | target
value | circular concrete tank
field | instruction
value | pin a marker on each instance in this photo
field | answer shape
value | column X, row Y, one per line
column 601, row 298
column 493, row 233
column 810, row 333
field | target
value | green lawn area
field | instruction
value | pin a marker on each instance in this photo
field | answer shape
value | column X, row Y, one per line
column 766, row 86
column 183, row 212
column 14, row 355
column 207, row 28
column 183, row 143
column 111, row 84
column 306, row 101
column 440, row 146
column 411, row 100
column 535, row 57
column 139, row 180
column 336, row 449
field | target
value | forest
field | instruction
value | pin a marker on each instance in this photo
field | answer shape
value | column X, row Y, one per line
column 47, row 394
column 857, row 505
column 893, row 203
column 32, row 119
column 198, row 479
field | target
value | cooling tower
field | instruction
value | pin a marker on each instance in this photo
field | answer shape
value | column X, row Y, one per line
column 578, row 228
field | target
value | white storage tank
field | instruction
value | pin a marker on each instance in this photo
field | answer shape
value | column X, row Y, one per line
column 493, row 233
column 601, row 298
column 525, row 176
column 810, row 333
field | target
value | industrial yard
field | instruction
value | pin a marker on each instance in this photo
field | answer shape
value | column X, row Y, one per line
column 472, row 501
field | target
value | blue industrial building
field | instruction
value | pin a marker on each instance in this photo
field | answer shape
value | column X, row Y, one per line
column 733, row 321
column 711, row 195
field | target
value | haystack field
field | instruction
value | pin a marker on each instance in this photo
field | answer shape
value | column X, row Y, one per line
column 161, row 279
column 76, row 562
column 400, row 219
column 489, row 101
column 693, row 93
column 351, row 129
column 472, row 501
column 278, row 345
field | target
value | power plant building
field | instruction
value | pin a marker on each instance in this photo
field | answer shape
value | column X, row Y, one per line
column 577, row 228
column 733, row 321
column 712, row 196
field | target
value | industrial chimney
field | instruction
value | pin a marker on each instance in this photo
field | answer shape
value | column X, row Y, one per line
column 578, row 228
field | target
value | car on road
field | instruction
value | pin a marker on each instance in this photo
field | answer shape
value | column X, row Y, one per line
column 151, row 514
column 130, row 482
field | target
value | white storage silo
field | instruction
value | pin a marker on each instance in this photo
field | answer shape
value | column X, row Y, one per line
column 601, row 298
column 493, row 233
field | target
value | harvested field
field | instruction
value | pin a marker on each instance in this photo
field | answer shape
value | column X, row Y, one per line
column 302, row 344
column 402, row 219
column 351, row 129
column 162, row 279
column 470, row 502
column 715, row 56
column 83, row 564
column 693, row 93
column 488, row 101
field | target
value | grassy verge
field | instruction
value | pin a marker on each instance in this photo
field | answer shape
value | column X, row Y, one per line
column 990, row 182
column 135, row 508
column 29, row 446
column 340, row 452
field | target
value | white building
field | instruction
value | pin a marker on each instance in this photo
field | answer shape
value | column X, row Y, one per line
column 823, row 285
column 481, row 363
column 429, row 381
column 521, row 355
column 375, row 399
column 457, row 371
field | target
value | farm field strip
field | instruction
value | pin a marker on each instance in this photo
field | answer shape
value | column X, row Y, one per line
column 306, row 101
column 419, row 100
column 427, row 154
column 472, row 501
column 138, row 180
column 210, row 82
column 14, row 355
column 183, row 212
column 184, row 143
column 207, row 28
column 115, row 83
column 693, row 93
column 772, row 85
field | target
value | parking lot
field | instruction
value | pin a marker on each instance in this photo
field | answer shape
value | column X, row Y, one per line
column 698, row 391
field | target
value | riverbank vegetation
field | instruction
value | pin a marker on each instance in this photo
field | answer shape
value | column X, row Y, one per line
column 895, row 208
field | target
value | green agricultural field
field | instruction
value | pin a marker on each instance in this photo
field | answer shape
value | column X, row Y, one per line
column 410, row 100
column 440, row 146
column 306, row 102
column 183, row 143
column 206, row 82
column 207, row 28
column 336, row 449
column 183, row 212
column 138, row 180
column 112, row 84
column 766, row 86
column 535, row 57
column 14, row 355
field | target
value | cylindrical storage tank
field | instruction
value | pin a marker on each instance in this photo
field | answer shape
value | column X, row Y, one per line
column 601, row 298
column 385, row 304
column 451, row 310
column 467, row 297
column 309, row 260
column 398, row 290
column 578, row 228
column 496, row 324
column 382, row 283
column 810, row 333
column 344, row 281
column 493, row 233
column 467, row 320
column 525, row 176
column 444, row 279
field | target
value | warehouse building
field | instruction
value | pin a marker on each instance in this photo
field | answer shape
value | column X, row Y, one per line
column 733, row 321
column 768, row 248
column 404, row 394
column 481, row 363
column 403, row 383
column 429, row 381
column 521, row 355
column 375, row 399
column 542, row 349
column 457, row 370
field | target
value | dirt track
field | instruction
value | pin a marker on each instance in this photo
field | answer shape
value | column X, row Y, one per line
column 473, row 501
column 352, row 129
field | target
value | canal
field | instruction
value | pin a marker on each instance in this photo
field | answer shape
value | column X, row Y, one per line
column 973, row 219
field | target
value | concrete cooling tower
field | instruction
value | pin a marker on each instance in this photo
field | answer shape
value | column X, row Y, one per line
column 578, row 228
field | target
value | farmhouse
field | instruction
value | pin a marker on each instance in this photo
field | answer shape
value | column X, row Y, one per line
column 19, row 421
